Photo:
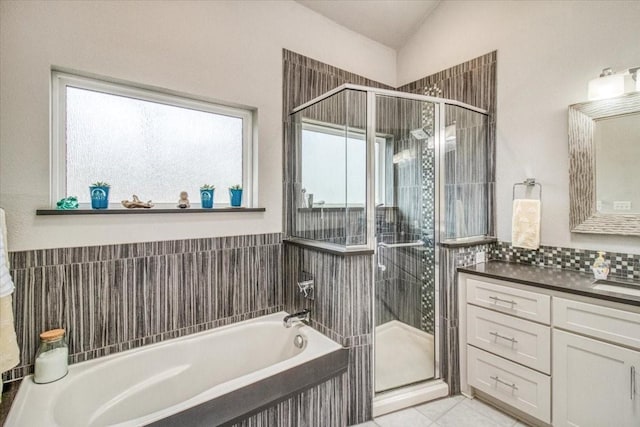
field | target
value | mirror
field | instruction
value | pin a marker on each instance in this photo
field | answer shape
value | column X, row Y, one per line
column 617, row 145
column 604, row 154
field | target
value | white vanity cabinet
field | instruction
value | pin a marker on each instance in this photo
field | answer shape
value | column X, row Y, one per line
column 507, row 343
column 556, row 358
column 595, row 381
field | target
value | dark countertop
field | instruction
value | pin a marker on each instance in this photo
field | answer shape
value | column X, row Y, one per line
column 557, row 279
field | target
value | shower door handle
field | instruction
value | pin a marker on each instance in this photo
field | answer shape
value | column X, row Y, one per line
column 401, row 245
column 383, row 245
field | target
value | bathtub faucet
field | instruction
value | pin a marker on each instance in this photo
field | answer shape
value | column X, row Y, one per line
column 302, row 315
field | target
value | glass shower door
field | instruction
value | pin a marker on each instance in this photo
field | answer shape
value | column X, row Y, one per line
column 405, row 309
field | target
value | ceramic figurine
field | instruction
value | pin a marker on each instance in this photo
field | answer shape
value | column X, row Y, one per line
column 136, row 203
column 183, row 203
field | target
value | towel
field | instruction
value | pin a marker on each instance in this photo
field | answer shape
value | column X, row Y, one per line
column 9, row 352
column 6, row 284
column 525, row 228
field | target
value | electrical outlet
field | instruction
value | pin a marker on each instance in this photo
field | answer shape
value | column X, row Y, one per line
column 599, row 205
column 481, row 257
column 621, row 205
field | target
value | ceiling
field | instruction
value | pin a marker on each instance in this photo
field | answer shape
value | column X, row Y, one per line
column 390, row 22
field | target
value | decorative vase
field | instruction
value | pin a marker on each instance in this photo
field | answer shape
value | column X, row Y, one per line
column 206, row 198
column 99, row 197
column 236, row 198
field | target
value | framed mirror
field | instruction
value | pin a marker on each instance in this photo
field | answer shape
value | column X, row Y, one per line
column 604, row 166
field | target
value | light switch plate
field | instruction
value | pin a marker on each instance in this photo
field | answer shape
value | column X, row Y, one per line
column 481, row 257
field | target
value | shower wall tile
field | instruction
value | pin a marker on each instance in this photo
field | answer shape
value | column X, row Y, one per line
column 450, row 260
column 117, row 297
column 341, row 310
column 473, row 82
column 304, row 79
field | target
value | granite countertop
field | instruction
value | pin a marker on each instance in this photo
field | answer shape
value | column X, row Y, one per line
column 557, row 279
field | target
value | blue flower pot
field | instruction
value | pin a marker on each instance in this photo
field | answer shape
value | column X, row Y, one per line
column 236, row 198
column 206, row 198
column 99, row 197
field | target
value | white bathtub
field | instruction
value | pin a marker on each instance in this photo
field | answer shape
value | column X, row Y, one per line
column 150, row 383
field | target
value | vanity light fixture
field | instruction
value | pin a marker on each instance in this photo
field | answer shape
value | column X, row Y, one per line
column 607, row 85
column 635, row 74
column 611, row 84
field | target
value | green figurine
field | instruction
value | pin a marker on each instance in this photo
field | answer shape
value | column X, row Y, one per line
column 67, row 203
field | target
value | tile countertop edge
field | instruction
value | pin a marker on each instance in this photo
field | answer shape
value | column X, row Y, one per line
column 562, row 280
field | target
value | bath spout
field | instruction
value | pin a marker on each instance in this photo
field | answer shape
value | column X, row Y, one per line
column 302, row 316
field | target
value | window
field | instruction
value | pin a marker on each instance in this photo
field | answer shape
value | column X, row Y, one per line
column 323, row 148
column 145, row 142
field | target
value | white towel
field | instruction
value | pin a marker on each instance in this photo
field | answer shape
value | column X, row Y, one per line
column 6, row 284
column 9, row 352
column 525, row 227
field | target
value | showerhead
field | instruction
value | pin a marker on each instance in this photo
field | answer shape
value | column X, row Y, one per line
column 419, row 134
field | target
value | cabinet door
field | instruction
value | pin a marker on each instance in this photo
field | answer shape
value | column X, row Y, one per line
column 594, row 383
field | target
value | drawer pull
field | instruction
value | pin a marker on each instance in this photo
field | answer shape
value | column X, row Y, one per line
column 508, row 301
column 498, row 380
column 633, row 382
column 497, row 335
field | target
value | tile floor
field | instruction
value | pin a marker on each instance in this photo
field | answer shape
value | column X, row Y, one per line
column 457, row 411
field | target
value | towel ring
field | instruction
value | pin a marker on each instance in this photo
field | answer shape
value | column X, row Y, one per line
column 528, row 183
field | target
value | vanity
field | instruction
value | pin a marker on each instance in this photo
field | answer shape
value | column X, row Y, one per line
column 550, row 345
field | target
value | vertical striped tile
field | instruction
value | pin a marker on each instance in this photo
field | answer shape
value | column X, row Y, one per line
column 117, row 297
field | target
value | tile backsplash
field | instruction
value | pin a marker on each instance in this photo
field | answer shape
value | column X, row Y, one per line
column 117, row 297
column 623, row 265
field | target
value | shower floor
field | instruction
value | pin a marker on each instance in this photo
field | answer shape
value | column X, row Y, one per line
column 403, row 355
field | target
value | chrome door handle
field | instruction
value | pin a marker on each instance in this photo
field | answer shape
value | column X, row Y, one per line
column 498, row 380
column 508, row 301
column 413, row 244
column 497, row 335
column 381, row 266
column 633, row 382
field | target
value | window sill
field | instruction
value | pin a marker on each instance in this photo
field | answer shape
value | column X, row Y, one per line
column 145, row 211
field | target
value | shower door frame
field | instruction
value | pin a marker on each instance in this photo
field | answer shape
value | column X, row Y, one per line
column 439, row 202
column 438, row 220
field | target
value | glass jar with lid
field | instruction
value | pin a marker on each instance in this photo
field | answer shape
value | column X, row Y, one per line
column 52, row 358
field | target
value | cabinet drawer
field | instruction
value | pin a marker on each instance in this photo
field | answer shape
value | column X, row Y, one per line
column 520, row 387
column 524, row 304
column 515, row 339
column 618, row 326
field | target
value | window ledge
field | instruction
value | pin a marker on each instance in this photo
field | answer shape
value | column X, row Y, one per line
column 144, row 211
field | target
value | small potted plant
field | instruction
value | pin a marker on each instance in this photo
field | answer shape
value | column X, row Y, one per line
column 235, row 192
column 99, row 192
column 206, row 195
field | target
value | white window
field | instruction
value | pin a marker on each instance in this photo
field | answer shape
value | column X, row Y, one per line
column 145, row 142
column 324, row 149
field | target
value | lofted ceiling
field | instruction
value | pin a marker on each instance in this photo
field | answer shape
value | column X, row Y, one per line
column 390, row 22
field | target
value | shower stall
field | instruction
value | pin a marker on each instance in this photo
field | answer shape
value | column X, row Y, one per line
column 392, row 175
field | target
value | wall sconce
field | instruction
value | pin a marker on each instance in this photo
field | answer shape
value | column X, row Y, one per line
column 611, row 84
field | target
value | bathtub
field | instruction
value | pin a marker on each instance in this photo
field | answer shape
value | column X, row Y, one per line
column 210, row 378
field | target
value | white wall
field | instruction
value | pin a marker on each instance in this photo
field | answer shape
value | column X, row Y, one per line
column 226, row 50
column 547, row 52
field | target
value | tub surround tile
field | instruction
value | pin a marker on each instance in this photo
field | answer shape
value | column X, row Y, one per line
column 252, row 403
column 117, row 297
column 322, row 405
